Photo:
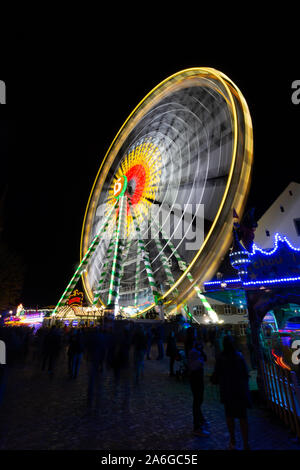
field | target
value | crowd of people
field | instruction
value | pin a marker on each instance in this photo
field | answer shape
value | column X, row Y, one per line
column 124, row 349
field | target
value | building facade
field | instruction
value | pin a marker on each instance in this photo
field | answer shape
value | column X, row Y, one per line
column 282, row 217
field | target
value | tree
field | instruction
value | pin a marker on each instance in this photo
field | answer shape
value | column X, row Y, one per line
column 11, row 277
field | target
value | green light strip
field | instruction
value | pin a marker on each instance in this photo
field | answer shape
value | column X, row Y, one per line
column 84, row 262
column 183, row 266
column 117, row 258
column 104, row 272
column 145, row 256
column 137, row 276
column 165, row 265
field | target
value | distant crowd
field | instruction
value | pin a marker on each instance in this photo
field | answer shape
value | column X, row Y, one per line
column 123, row 349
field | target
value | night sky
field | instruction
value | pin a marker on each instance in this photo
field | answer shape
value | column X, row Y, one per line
column 65, row 103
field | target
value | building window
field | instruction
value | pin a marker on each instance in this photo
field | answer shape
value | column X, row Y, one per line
column 267, row 233
column 297, row 226
column 240, row 310
column 290, row 193
column 198, row 310
column 227, row 309
column 282, row 208
column 242, row 330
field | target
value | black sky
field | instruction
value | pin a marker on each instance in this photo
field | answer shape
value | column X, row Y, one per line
column 65, row 105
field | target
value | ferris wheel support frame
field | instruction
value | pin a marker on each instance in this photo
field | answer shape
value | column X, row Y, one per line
column 115, row 279
column 84, row 262
column 137, row 276
column 182, row 266
column 218, row 237
column 104, row 272
column 165, row 265
column 145, row 256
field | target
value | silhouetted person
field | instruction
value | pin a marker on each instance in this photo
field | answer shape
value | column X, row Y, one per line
column 171, row 351
column 189, row 340
column 231, row 373
column 250, row 348
column 212, row 336
column 159, row 339
column 77, row 350
column 196, row 359
column 219, row 342
column 149, row 335
column 139, row 342
column 96, row 348
column 51, row 347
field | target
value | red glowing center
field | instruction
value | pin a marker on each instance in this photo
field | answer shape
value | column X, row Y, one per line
column 136, row 179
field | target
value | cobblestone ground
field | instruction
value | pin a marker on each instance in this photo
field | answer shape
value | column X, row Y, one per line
column 40, row 412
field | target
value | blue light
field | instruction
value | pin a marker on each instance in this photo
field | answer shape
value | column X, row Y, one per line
column 277, row 238
column 241, row 261
column 272, row 281
column 254, row 283
column 292, row 326
column 227, row 281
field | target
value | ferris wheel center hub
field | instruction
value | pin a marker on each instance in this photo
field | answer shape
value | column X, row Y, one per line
column 120, row 186
column 133, row 182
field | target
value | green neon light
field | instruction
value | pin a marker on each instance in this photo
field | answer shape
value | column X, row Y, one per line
column 124, row 187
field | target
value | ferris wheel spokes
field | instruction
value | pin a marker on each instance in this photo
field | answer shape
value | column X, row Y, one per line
column 104, row 272
column 84, row 262
column 115, row 279
column 145, row 256
column 137, row 275
column 183, row 266
column 165, row 265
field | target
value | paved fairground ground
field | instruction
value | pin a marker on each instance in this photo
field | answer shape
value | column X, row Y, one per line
column 51, row 412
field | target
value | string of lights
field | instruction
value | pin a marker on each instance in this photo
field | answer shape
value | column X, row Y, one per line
column 244, row 283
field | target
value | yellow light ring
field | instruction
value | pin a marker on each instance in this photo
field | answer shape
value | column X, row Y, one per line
column 142, row 155
column 235, row 196
column 172, row 84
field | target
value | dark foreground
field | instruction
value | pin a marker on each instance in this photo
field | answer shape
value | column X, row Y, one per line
column 44, row 412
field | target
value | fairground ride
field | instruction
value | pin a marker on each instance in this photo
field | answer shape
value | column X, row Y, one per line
column 159, row 217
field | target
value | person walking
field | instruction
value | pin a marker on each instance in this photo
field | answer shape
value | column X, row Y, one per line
column 51, row 349
column 219, row 342
column 196, row 359
column 149, row 335
column 189, row 340
column 96, row 350
column 75, row 352
column 78, row 353
column 139, row 341
column 171, row 351
column 159, row 335
column 231, row 373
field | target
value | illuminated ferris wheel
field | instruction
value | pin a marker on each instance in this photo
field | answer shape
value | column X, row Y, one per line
column 158, row 219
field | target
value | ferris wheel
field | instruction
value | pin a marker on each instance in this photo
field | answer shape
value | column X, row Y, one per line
column 159, row 217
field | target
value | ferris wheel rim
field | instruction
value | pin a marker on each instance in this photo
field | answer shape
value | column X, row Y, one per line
column 98, row 185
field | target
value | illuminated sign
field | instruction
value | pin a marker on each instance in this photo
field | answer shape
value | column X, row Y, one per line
column 120, row 186
column 75, row 299
column 281, row 265
column 281, row 262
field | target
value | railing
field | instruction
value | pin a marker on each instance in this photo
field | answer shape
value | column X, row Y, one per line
column 282, row 393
